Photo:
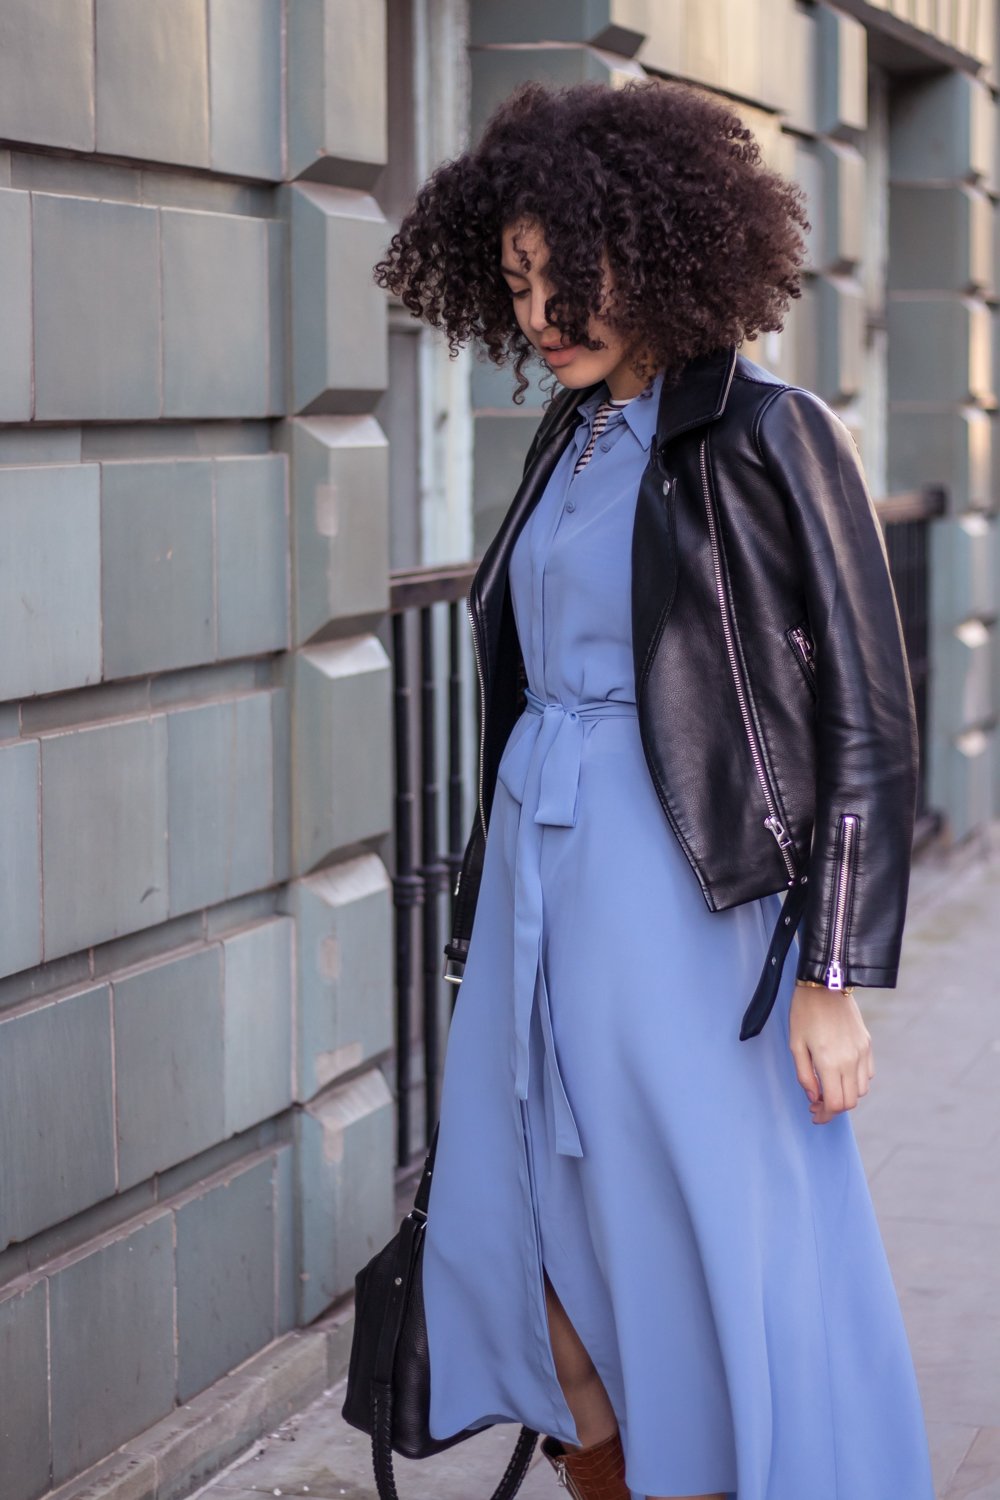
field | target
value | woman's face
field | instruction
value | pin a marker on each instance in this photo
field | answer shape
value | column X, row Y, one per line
column 575, row 366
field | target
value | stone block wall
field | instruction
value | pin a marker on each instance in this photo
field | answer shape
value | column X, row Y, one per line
column 196, row 1132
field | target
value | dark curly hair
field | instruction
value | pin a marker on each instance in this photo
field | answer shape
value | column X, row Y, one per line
column 702, row 239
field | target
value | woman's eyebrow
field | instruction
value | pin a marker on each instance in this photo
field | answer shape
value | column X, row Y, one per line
column 508, row 272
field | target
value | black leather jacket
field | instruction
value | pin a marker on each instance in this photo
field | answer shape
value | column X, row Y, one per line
column 774, row 699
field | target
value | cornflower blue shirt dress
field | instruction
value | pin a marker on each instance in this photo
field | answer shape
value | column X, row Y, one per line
column 716, row 1251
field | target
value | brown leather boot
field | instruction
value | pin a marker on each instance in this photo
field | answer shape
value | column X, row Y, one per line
column 593, row 1473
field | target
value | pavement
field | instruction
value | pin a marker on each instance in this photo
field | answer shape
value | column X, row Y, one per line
column 929, row 1133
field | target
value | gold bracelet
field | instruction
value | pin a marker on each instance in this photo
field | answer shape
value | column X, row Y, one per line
column 816, row 985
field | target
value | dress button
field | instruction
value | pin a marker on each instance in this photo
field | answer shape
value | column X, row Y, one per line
column 571, row 505
column 605, row 447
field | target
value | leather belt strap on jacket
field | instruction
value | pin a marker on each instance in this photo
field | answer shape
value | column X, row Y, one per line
column 764, row 996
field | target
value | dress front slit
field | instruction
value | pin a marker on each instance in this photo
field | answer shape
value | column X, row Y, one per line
column 716, row 1252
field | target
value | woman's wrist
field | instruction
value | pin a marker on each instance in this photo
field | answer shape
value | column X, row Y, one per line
column 848, row 989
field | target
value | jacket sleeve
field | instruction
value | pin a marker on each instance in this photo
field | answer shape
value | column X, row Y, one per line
column 852, row 925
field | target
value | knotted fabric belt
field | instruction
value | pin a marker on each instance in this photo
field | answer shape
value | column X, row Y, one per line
column 542, row 771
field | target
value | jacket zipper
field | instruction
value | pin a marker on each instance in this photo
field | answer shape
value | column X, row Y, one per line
column 482, row 712
column 834, row 976
column 772, row 822
column 803, row 645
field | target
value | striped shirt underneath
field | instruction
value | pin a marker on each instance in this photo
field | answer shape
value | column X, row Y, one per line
column 601, row 416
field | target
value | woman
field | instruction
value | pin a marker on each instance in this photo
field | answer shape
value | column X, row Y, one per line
column 694, row 697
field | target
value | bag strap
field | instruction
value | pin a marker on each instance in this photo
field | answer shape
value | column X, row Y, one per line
column 385, row 1479
column 392, row 1322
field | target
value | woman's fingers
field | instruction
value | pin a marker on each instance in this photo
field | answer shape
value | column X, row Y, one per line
column 805, row 1072
column 833, row 1089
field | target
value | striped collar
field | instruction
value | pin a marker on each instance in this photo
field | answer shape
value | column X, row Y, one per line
column 639, row 412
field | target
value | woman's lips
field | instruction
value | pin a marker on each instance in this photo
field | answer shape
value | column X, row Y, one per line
column 560, row 355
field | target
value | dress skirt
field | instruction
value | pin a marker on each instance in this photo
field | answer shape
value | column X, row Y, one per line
column 716, row 1251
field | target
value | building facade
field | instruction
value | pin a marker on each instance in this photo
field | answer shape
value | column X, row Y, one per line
column 217, row 441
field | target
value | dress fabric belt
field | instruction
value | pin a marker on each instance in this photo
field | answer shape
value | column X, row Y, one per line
column 542, row 771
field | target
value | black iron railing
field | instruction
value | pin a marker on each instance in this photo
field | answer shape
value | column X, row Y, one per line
column 429, row 838
column 434, row 767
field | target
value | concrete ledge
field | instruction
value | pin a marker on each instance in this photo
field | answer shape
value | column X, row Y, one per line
column 185, row 1449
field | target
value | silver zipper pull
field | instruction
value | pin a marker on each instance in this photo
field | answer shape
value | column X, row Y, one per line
column 779, row 830
column 804, row 643
column 835, row 976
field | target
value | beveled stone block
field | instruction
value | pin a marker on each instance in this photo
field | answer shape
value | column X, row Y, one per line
column 966, row 659
column 50, row 579
column 337, row 126
column 152, row 80
column 112, row 1341
column 495, row 73
column 963, row 774
column 225, row 1276
column 808, row 172
column 168, row 1062
column 24, row 1411
column 20, row 863
column 47, row 73
column 338, row 314
column 342, row 745
column 15, row 303
column 843, row 169
column 157, row 587
column 343, row 943
column 950, row 447
column 941, row 128
column 842, row 56
column 941, row 238
column 104, row 832
column 286, row 1267
column 215, row 355
column 251, row 526
column 610, row 24
column 841, row 309
column 940, row 349
column 344, row 1144
column 795, row 83
column 340, row 520
column 257, row 1037
column 219, row 779
column 963, row 570
column 245, row 63
column 56, row 1112
column 97, row 309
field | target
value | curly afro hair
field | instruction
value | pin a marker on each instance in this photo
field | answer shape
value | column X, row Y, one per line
column 703, row 241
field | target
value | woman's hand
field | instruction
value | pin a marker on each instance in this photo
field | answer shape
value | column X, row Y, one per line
column 832, row 1048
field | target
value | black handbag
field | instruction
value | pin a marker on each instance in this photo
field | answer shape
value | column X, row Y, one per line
column 388, row 1375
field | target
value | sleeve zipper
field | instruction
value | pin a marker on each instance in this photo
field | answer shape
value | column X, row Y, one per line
column 843, row 880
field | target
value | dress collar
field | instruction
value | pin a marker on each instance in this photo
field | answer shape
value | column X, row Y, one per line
column 639, row 413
